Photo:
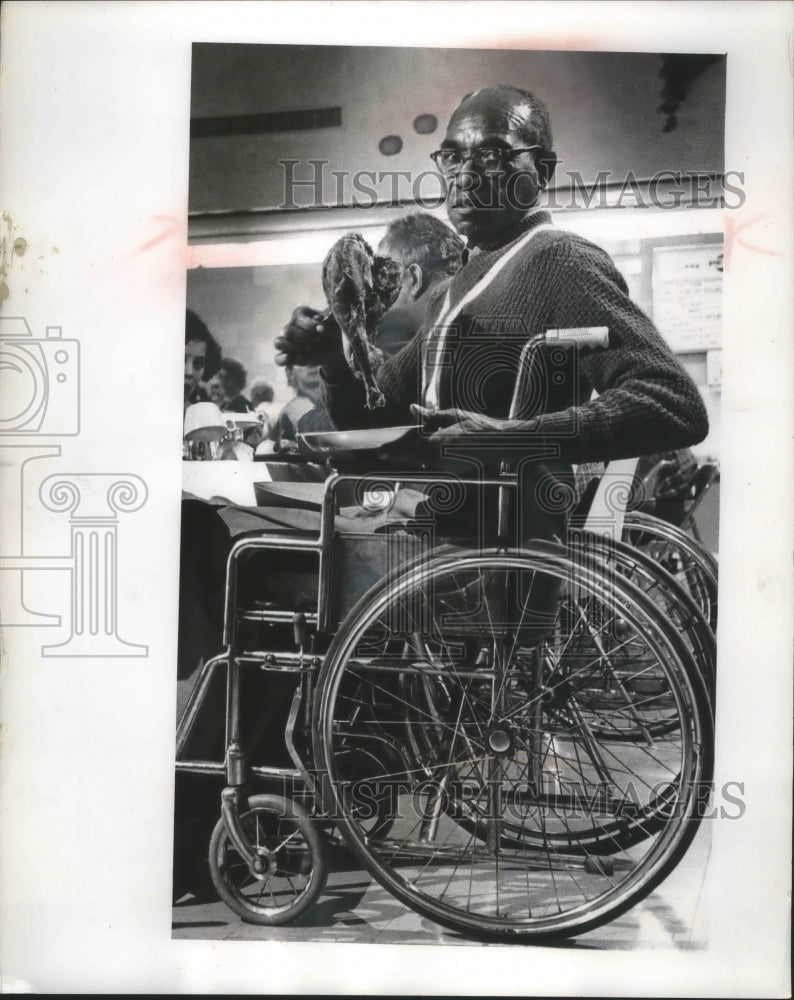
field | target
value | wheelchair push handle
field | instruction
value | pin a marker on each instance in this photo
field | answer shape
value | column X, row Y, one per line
column 583, row 337
column 579, row 336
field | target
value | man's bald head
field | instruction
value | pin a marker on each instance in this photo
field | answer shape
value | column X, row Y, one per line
column 519, row 110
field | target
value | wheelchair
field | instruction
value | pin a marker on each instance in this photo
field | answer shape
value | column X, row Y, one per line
column 514, row 740
column 668, row 531
column 680, row 555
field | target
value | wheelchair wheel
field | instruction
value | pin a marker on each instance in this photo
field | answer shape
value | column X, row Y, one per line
column 619, row 684
column 678, row 554
column 522, row 808
column 281, row 831
column 673, row 600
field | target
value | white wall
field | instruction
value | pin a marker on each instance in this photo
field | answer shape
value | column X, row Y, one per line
column 603, row 107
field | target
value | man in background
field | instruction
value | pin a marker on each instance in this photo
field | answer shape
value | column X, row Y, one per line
column 430, row 253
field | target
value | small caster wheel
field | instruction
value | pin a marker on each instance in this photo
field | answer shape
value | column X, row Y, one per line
column 294, row 868
column 599, row 866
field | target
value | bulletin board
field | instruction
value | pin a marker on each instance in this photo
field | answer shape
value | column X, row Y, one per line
column 687, row 296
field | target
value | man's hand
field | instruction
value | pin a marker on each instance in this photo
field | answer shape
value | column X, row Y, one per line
column 310, row 338
column 450, row 425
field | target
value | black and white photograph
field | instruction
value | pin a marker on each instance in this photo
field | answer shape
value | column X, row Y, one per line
column 436, row 638
column 424, row 701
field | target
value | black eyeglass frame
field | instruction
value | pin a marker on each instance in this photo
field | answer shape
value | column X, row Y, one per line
column 503, row 151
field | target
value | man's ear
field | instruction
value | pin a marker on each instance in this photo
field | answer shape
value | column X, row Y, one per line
column 417, row 284
column 546, row 163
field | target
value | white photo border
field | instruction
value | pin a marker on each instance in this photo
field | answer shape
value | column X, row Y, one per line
column 95, row 110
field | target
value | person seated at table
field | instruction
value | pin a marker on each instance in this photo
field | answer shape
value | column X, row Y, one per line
column 306, row 403
column 262, row 400
column 214, row 390
column 262, row 405
column 202, row 358
column 233, row 378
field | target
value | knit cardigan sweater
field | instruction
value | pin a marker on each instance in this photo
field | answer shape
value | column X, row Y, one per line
column 646, row 402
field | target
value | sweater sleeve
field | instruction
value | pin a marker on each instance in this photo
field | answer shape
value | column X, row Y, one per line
column 646, row 400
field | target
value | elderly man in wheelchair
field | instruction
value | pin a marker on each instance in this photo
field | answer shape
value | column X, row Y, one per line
column 508, row 722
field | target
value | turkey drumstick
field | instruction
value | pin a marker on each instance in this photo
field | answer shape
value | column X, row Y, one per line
column 360, row 288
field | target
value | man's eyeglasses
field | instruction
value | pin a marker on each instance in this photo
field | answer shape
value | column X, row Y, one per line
column 487, row 159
